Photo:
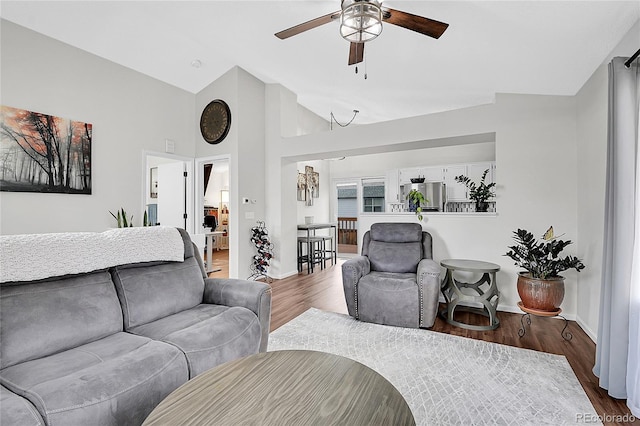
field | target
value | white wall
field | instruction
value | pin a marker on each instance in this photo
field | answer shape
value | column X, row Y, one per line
column 321, row 205
column 535, row 153
column 130, row 113
column 309, row 122
column 245, row 144
column 281, row 119
column 378, row 164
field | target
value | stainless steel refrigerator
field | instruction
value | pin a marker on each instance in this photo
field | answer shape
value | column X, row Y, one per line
column 434, row 192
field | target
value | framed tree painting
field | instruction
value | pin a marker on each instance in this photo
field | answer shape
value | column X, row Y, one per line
column 44, row 153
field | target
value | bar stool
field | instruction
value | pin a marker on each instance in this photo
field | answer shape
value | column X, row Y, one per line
column 315, row 247
column 330, row 251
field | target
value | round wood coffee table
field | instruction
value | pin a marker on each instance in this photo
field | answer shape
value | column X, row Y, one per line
column 285, row 387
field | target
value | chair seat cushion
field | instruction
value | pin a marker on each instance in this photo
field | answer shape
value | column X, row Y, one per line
column 209, row 335
column 389, row 298
column 117, row 380
column 17, row 410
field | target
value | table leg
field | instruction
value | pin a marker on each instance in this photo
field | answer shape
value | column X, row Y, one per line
column 209, row 239
column 209, row 253
column 455, row 298
column 334, row 244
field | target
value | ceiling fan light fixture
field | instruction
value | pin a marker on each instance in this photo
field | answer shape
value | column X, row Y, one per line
column 361, row 20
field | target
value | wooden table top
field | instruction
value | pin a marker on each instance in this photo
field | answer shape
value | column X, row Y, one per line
column 285, row 387
column 305, row 226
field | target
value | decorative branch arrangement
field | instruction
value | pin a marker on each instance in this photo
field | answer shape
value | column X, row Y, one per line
column 260, row 263
column 308, row 185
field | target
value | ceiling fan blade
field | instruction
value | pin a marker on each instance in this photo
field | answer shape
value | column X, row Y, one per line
column 289, row 32
column 422, row 25
column 356, row 53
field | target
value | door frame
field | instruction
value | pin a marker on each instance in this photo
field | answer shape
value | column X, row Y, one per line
column 334, row 205
column 199, row 182
column 188, row 162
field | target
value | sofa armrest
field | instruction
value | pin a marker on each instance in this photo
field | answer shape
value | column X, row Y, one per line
column 253, row 295
column 352, row 270
column 428, row 277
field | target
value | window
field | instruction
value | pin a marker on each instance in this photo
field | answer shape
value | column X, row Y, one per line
column 373, row 195
column 348, row 200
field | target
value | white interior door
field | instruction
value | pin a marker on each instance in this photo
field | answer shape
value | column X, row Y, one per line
column 171, row 195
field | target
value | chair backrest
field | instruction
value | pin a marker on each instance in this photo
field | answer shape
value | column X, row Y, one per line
column 211, row 221
column 396, row 247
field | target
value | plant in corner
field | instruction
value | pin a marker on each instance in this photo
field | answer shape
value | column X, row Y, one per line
column 121, row 219
column 541, row 288
column 480, row 193
column 416, row 199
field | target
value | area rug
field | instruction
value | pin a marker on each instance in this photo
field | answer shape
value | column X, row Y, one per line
column 445, row 379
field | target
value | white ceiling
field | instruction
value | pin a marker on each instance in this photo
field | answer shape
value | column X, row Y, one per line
column 537, row 47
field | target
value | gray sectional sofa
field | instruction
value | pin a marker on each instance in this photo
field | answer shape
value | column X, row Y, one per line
column 105, row 347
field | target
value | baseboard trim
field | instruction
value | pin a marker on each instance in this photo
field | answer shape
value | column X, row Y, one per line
column 593, row 336
column 516, row 310
column 285, row 275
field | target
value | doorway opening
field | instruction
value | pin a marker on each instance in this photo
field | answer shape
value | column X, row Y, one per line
column 213, row 217
column 346, row 208
column 168, row 189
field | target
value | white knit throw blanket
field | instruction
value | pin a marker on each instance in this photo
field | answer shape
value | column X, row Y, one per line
column 30, row 257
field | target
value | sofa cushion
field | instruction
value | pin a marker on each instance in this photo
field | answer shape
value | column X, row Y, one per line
column 117, row 380
column 389, row 298
column 208, row 335
column 16, row 410
column 44, row 317
column 150, row 292
column 395, row 257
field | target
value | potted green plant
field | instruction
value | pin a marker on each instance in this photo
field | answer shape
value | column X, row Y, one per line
column 480, row 193
column 541, row 288
column 121, row 219
column 416, row 199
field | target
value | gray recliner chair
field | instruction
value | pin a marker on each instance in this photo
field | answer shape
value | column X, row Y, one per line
column 395, row 281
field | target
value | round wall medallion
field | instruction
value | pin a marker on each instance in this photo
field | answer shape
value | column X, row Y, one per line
column 215, row 121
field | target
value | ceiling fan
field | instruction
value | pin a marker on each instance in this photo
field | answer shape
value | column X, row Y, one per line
column 361, row 21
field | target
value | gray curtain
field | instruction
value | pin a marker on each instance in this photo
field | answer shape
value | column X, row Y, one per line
column 618, row 348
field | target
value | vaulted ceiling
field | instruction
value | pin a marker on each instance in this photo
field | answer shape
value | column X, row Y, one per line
column 536, row 47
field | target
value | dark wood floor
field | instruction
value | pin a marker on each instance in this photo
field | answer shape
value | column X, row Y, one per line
column 323, row 290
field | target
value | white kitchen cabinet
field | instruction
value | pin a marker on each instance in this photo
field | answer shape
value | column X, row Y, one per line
column 475, row 171
column 405, row 175
column 392, row 186
column 455, row 191
column 432, row 174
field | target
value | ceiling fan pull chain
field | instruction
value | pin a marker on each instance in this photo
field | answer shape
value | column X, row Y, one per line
column 365, row 67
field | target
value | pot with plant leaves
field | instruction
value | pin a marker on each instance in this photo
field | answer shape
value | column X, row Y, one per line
column 416, row 200
column 541, row 288
column 480, row 193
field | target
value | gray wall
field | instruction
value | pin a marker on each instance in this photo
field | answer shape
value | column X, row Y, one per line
column 130, row 113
